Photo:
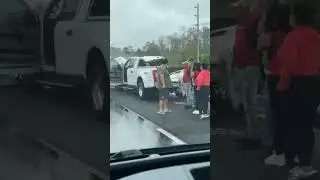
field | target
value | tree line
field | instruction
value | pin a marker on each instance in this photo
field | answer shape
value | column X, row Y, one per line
column 177, row 47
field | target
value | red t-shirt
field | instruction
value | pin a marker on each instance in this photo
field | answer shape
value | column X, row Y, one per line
column 186, row 74
column 276, row 40
column 243, row 54
column 203, row 79
column 299, row 55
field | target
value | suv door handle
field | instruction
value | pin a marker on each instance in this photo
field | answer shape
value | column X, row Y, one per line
column 131, row 71
column 69, row 32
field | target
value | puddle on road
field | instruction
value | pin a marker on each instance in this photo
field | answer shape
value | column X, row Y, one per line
column 129, row 131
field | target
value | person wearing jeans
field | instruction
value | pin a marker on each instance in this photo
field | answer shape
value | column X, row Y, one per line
column 246, row 66
column 195, row 71
column 203, row 86
column 276, row 28
column 300, row 78
column 187, row 83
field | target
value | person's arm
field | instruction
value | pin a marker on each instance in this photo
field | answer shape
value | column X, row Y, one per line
column 288, row 56
column 162, row 80
column 161, row 76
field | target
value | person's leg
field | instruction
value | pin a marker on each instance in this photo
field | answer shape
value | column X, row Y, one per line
column 166, row 101
column 161, row 101
column 205, row 99
column 188, row 95
column 279, row 124
column 306, row 91
column 252, row 77
column 233, row 89
column 268, row 122
column 197, row 101
column 201, row 100
column 196, row 95
column 238, row 89
column 253, row 129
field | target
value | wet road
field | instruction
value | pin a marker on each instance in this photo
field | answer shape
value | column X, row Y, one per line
column 181, row 123
column 59, row 117
column 129, row 131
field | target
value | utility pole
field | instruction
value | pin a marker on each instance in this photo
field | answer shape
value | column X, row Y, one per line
column 198, row 33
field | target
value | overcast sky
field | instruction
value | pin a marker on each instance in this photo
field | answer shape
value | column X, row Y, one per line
column 133, row 22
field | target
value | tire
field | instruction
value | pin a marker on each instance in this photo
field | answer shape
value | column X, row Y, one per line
column 98, row 89
column 141, row 90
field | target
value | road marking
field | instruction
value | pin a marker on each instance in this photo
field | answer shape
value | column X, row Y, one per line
column 160, row 130
column 171, row 136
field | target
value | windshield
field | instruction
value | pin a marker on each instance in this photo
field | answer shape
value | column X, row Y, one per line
column 152, row 107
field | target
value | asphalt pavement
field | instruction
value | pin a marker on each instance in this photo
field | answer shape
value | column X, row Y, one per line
column 180, row 122
column 60, row 118
column 129, row 130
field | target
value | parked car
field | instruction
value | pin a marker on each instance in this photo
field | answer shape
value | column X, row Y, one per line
column 176, row 79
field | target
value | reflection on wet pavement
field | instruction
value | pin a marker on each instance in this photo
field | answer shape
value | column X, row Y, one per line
column 129, row 131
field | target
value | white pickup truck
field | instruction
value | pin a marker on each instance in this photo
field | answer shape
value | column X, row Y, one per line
column 74, row 48
column 140, row 73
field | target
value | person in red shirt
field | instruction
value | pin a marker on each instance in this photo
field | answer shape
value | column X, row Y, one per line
column 299, row 59
column 202, row 83
column 247, row 68
column 276, row 27
column 187, row 84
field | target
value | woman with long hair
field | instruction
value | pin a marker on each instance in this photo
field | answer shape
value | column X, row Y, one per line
column 277, row 26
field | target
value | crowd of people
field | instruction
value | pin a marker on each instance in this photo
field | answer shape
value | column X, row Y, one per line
column 196, row 87
column 281, row 47
column 195, row 84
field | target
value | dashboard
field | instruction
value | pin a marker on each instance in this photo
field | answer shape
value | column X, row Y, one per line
column 197, row 171
column 183, row 162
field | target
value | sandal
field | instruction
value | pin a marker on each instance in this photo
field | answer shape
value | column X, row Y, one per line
column 167, row 111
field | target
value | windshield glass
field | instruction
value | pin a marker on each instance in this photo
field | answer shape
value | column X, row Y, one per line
column 151, row 105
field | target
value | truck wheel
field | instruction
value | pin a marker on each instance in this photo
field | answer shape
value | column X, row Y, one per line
column 143, row 92
column 98, row 87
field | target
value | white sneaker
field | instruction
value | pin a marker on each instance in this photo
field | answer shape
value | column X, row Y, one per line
column 274, row 159
column 196, row 112
column 302, row 172
column 202, row 116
